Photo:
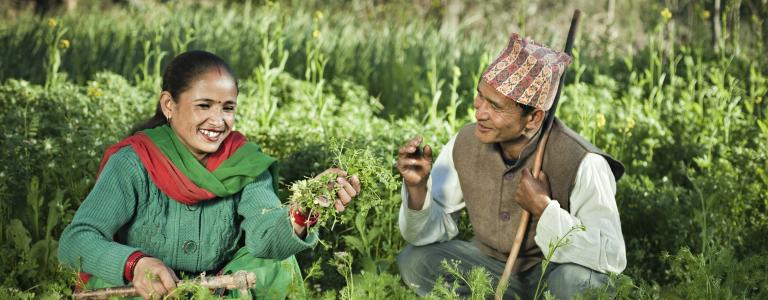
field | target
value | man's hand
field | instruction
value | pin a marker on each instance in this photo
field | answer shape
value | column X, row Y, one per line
column 153, row 279
column 414, row 165
column 533, row 194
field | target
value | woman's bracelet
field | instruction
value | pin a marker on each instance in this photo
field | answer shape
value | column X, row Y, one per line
column 131, row 263
column 299, row 219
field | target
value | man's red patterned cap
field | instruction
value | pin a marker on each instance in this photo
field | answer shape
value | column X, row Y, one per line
column 527, row 72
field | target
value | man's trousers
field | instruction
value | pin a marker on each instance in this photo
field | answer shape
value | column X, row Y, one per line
column 420, row 266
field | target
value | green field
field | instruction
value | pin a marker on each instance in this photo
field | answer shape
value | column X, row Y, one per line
column 651, row 83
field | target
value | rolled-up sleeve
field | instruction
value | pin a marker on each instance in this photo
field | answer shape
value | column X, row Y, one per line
column 87, row 244
column 266, row 223
column 601, row 245
column 433, row 223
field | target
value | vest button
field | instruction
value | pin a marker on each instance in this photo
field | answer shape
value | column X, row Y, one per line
column 189, row 247
column 504, row 216
column 509, row 176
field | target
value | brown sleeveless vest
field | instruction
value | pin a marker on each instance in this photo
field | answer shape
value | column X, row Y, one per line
column 489, row 187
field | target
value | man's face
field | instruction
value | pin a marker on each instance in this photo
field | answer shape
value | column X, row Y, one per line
column 499, row 119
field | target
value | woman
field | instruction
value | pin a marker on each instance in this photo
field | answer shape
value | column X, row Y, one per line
column 177, row 195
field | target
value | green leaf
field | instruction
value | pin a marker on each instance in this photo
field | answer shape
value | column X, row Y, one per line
column 35, row 202
column 369, row 265
column 355, row 242
column 763, row 124
column 44, row 253
column 55, row 212
column 19, row 235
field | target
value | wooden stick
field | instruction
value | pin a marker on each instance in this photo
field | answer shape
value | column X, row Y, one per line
column 240, row 280
column 537, row 162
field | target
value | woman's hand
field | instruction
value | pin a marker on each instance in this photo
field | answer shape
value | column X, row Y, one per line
column 348, row 191
column 349, row 188
column 153, row 279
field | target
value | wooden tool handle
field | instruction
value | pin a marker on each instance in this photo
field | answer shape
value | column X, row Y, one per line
column 240, row 280
column 522, row 228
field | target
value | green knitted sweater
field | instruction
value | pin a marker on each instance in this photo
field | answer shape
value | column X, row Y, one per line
column 126, row 212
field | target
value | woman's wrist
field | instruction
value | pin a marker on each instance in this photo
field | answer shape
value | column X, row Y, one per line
column 301, row 219
column 130, row 264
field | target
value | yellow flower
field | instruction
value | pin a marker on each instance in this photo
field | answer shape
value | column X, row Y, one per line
column 316, row 34
column 456, row 71
column 318, row 15
column 52, row 22
column 600, row 120
column 94, row 92
column 630, row 124
column 666, row 14
column 64, row 44
column 705, row 14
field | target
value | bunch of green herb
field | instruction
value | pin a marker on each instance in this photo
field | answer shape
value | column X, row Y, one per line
column 317, row 195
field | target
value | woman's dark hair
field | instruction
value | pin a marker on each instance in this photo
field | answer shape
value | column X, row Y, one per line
column 178, row 76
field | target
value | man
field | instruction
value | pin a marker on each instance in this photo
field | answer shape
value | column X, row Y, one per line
column 485, row 168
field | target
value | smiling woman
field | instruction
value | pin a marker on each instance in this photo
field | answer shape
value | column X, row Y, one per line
column 203, row 115
column 195, row 84
column 184, row 191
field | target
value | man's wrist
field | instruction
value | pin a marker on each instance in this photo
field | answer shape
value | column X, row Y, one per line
column 418, row 186
column 541, row 206
column 416, row 196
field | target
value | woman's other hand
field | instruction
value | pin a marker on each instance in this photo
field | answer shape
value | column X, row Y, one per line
column 153, row 279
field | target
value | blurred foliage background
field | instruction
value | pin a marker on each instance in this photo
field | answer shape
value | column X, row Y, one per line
column 674, row 89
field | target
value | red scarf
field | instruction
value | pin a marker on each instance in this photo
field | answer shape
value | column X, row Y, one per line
column 169, row 179
column 166, row 176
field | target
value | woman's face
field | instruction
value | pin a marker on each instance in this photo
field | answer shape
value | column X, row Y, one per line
column 203, row 115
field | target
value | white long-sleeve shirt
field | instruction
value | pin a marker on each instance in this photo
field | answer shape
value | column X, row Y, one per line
column 600, row 247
